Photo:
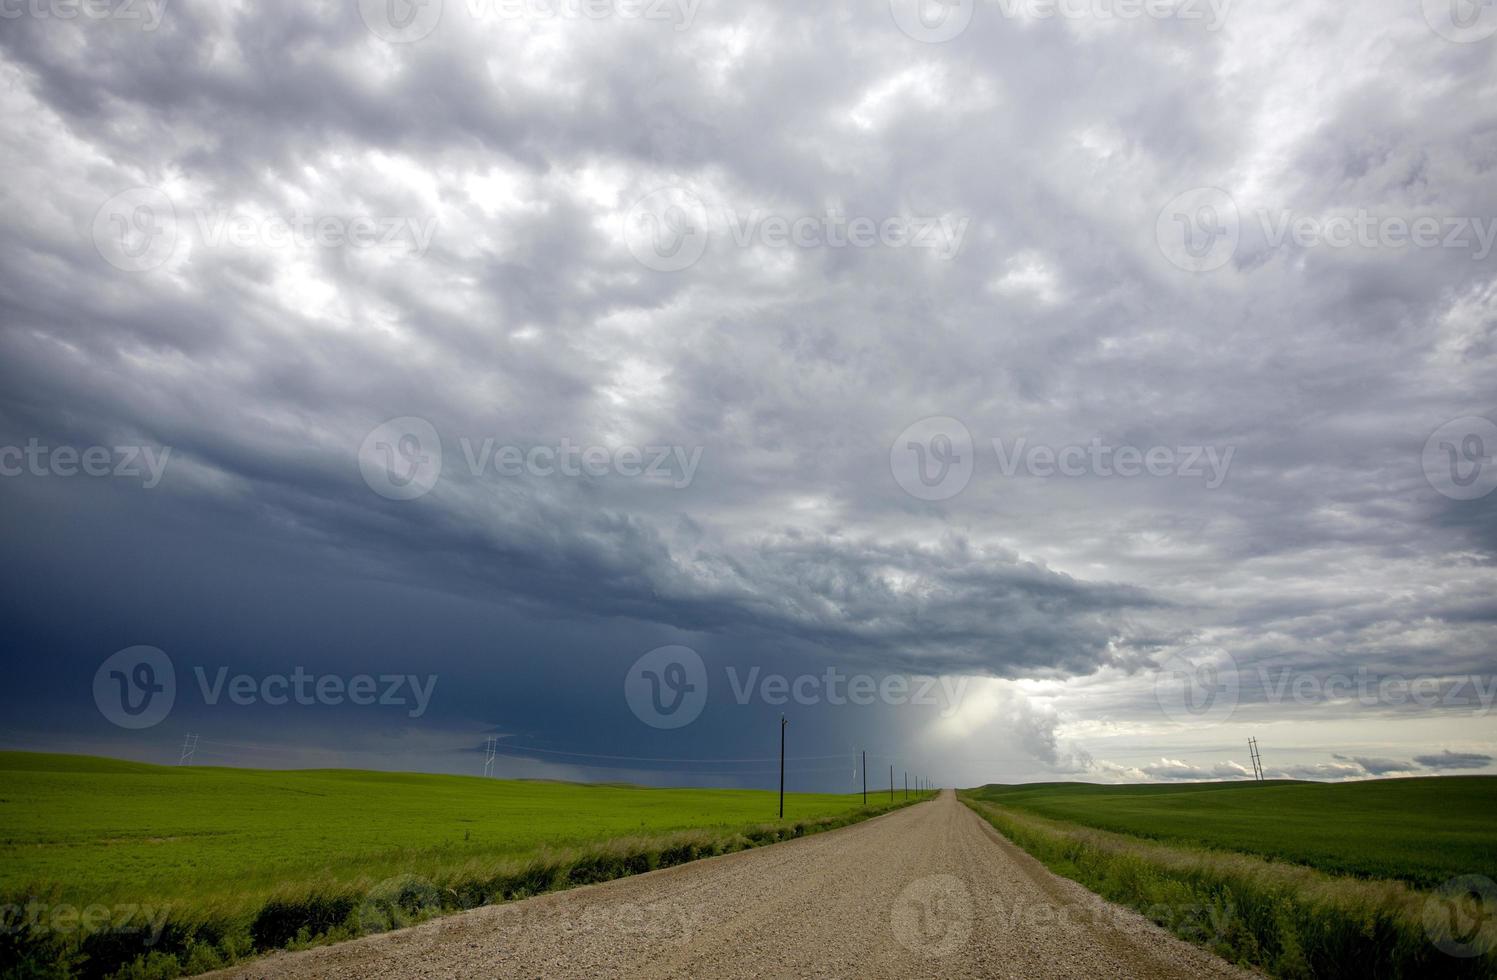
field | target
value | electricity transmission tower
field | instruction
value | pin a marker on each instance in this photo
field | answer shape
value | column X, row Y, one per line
column 189, row 746
column 1257, row 759
column 488, row 758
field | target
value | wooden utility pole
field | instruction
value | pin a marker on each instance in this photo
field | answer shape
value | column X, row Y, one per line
column 783, row 723
column 891, row 784
column 906, row 784
column 865, row 777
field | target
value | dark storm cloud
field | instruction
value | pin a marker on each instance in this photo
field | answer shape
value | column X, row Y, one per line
column 1454, row 760
column 526, row 320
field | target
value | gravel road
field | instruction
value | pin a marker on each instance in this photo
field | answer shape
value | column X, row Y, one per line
column 927, row 891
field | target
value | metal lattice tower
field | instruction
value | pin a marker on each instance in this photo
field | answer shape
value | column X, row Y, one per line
column 1257, row 759
column 488, row 759
column 189, row 746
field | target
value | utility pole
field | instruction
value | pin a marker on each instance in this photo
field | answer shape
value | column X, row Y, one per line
column 891, row 784
column 189, row 746
column 1257, row 759
column 865, row 777
column 488, row 756
column 906, row 784
column 783, row 723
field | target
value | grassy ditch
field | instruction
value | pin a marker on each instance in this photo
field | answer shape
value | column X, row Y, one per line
column 119, row 869
column 1286, row 919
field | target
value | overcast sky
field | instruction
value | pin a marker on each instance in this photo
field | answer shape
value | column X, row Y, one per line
column 1126, row 369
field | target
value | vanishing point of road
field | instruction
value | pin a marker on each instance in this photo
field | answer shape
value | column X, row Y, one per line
column 927, row 891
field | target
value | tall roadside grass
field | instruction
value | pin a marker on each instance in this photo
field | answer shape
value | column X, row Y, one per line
column 1288, row 920
column 183, row 941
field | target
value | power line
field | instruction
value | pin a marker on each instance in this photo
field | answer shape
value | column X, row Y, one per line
column 645, row 758
column 189, row 746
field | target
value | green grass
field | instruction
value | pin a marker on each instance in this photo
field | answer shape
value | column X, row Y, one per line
column 1422, row 831
column 248, row 860
column 1296, row 879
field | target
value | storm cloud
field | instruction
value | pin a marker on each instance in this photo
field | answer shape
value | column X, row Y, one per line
column 261, row 235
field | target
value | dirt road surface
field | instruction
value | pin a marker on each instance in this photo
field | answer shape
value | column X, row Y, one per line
column 927, row 891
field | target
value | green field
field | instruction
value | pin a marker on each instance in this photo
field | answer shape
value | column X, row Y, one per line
column 1294, row 879
column 248, row 860
column 1423, row 831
